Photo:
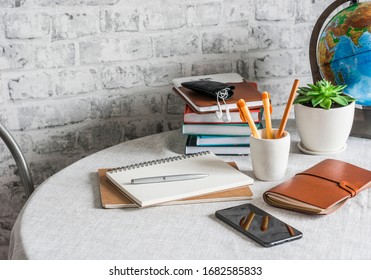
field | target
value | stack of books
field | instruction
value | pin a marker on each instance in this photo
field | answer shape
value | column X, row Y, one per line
column 204, row 130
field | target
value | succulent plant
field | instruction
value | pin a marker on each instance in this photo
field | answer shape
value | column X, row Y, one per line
column 324, row 94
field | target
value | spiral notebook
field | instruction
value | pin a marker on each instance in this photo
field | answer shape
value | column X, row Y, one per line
column 112, row 197
column 221, row 176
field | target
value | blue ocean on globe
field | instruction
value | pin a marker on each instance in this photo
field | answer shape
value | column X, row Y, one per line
column 351, row 65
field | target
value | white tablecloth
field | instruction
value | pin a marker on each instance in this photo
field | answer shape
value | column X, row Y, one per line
column 64, row 219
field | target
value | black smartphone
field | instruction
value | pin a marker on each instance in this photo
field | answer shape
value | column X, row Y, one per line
column 257, row 224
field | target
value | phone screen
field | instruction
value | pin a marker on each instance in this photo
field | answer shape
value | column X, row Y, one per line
column 258, row 225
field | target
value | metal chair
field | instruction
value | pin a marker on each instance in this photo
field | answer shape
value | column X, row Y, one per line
column 20, row 160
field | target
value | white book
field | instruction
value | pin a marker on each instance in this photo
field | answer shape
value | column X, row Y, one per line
column 206, row 140
column 221, row 176
column 217, row 129
column 191, row 116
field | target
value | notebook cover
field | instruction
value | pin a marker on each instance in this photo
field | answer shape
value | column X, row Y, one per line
column 112, row 197
column 204, row 103
column 321, row 189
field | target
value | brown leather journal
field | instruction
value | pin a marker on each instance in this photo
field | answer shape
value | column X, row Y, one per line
column 321, row 189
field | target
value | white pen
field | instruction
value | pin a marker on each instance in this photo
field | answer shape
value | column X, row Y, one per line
column 168, row 178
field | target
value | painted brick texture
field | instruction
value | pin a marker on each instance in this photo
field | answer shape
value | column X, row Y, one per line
column 77, row 76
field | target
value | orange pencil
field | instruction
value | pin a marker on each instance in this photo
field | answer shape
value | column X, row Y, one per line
column 267, row 115
column 287, row 109
column 246, row 117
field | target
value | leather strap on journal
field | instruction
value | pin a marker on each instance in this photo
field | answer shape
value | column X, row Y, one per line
column 345, row 185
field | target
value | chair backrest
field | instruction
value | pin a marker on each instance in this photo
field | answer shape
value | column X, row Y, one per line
column 24, row 170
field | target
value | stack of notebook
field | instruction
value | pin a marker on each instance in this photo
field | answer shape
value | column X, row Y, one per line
column 208, row 179
column 205, row 130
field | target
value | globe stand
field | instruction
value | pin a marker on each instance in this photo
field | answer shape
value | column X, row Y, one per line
column 362, row 117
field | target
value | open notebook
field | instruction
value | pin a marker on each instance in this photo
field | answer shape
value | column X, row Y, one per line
column 112, row 197
column 221, row 177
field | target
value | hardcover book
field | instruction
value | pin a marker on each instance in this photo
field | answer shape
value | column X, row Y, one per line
column 191, row 116
column 204, row 103
column 227, row 129
column 238, row 150
column 206, row 140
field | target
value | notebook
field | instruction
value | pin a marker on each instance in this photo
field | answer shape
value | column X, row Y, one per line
column 203, row 103
column 321, row 189
column 111, row 197
column 221, row 176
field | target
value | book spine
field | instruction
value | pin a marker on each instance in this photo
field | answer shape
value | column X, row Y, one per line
column 193, row 117
column 207, row 141
column 218, row 129
column 191, row 147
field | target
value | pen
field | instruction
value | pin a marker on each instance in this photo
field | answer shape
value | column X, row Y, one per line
column 267, row 115
column 246, row 117
column 287, row 109
column 167, row 178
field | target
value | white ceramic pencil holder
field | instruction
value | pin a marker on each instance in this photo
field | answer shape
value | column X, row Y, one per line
column 269, row 156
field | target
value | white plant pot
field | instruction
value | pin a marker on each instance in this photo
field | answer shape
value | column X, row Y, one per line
column 323, row 131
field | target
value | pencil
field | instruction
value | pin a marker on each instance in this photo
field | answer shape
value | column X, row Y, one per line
column 246, row 117
column 287, row 109
column 267, row 115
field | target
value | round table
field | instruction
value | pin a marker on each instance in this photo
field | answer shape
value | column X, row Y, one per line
column 64, row 219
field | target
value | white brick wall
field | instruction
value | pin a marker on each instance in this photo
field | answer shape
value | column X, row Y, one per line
column 77, row 76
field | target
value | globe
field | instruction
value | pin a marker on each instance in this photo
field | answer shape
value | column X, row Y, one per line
column 344, row 51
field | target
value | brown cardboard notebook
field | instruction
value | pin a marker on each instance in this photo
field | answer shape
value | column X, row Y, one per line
column 111, row 197
column 321, row 189
column 204, row 103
